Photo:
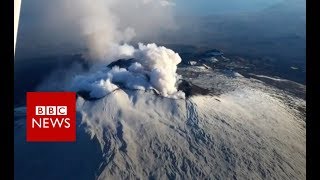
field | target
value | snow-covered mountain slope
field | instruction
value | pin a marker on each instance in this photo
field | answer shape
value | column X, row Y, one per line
column 247, row 132
column 243, row 129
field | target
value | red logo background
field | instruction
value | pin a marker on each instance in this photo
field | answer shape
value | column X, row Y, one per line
column 56, row 134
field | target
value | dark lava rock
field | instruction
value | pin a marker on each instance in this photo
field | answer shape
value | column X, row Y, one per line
column 86, row 96
column 213, row 52
column 122, row 63
column 190, row 89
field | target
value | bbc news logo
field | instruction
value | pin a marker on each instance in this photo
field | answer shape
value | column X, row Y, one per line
column 51, row 111
column 51, row 116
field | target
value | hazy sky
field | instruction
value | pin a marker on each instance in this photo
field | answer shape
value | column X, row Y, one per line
column 193, row 7
column 44, row 23
column 205, row 7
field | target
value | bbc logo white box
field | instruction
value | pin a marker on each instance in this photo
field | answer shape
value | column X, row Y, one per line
column 51, row 110
column 40, row 110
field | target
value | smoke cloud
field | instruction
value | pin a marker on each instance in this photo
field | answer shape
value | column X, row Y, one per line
column 107, row 28
column 100, row 25
column 155, row 68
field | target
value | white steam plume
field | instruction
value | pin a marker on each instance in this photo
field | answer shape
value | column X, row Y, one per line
column 65, row 26
column 107, row 27
column 104, row 24
column 155, row 68
column 161, row 64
